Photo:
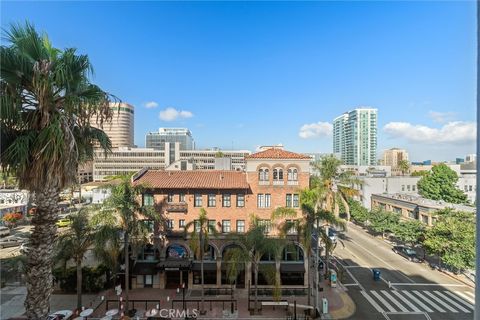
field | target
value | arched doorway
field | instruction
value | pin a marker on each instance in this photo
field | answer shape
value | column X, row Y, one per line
column 292, row 266
column 176, row 266
column 209, row 267
column 232, row 273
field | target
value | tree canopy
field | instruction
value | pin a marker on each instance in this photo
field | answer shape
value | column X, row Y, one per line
column 439, row 184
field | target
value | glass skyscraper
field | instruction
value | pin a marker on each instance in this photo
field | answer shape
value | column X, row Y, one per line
column 355, row 137
column 157, row 140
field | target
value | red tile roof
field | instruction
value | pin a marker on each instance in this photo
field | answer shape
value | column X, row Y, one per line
column 276, row 153
column 211, row 179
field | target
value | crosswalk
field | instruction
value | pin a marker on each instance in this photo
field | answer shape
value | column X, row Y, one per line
column 416, row 301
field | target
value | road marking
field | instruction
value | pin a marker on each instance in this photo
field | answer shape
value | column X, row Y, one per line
column 417, row 301
column 428, row 284
column 372, row 302
column 470, row 294
column 459, row 299
column 383, row 301
column 453, row 303
column 408, row 303
column 386, row 294
column 430, row 302
column 349, row 284
column 463, row 295
column 410, row 313
column 431, row 295
column 355, row 279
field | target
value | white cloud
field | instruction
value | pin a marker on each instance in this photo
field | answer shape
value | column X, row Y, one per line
column 455, row 132
column 151, row 104
column 315, row 130
column 441, row 117
column 171, row 114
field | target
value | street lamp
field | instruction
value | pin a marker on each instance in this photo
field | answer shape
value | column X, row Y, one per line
column 183, row 289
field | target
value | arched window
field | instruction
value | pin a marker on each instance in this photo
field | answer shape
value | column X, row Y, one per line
column 292, row 174
column 280, row 174
column 260, row 174
column 263, row 174
column 292, row 253
column 295, row 175
column 275, row 174
column 176, row 251
column 209, row 254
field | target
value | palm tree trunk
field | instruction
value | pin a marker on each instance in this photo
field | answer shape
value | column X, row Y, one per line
column 201, row 271
column 126, row 271
column 255, row 308
column 40, row 259
column 327, row 260
column 79, row 284
column 309, row 278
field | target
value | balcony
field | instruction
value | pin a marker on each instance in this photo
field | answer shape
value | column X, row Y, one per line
column 176, row 207
column 278, row 182
column 264, row 182
column 292, row 182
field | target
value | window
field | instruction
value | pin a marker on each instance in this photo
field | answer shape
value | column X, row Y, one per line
column 170, row 197
column 263, row 175
column 240, row 225
column 424, row 219
column 296, row 201
column 414, row 187
column 211, row 200
column 181, row 223
column 266, row 224
column 225, row 226
column 465, row 187
column 227, row 199
column 292, row 175
column 470, row 188
column 277, row 174
column 197, row 225
column 397, row 209
column 240, row 200
column 181, row 197
column 403, row 187
column 148, row 199
column 408, row 187
column 267, row 200
column 289, row 200
column 211, row 225
column 260, row 201
column 292, row 226
column 170, row 224
column 198, row 200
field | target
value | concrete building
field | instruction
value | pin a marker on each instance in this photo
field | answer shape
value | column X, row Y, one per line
column 272, row 178
column 120, row 128
column 13, row 201
column 471, row 157
column 355, row 136
column 414, row 207
column 157, row 140
column 367, row 171
column 392, row 158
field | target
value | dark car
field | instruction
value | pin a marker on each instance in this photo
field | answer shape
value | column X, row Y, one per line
column 406, row 252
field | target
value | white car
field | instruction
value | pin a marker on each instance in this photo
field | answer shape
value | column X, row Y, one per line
column 4, row 231
column 60, row 315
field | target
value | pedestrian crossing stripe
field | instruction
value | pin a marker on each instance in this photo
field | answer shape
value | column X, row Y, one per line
column 464, row 296
column 415, row 301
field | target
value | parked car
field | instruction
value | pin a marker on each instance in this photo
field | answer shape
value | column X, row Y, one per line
column 4, row 231
column 24, row 248
column 406, row 252
column 11, row 242
column 64, row 222
column 60, row 315
column 332, row 234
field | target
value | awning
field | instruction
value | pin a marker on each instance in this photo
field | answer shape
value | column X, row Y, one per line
column 143, row 268
column 292, row 267
column 207, row 266
column 174, row 264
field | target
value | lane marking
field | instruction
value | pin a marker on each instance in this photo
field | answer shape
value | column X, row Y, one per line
column 428, row 284
column 459, row 299
column 463, row 295
column 355, row 279
column 431, row 295
column 401, row 306
column 383, row 301
column 349, row 284
column 430, row 302
column 372, row 302
column 470, row 294
column 417, row 301
column 453, row 303
column 405, row 300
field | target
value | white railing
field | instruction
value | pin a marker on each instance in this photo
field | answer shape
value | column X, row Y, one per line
column 292, row 182
column 278, row 182
column 263, row 183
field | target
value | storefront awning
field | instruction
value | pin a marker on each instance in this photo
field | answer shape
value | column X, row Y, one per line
column 292, row 267
column 175, row 264
column 207, row 266
column 144, row 268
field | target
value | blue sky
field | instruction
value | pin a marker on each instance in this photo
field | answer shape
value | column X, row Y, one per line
column 254, row 73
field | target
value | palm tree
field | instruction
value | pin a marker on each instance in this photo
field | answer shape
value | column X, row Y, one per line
column 120, row 217
column 199, row 237
column 47, row 101
column 404, row 166
column 74, row 244
column 251, row 246
column 332, row 188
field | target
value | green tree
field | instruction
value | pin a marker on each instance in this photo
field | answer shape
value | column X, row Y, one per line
column 410, row 231
column 439, row 184
column 358, row 212
column 452, row 238
column 120, row 220
column 201, row 232
column 403, row 166
column 74, row 244
column 47, row 102
column 421, row 173
column 382, row 221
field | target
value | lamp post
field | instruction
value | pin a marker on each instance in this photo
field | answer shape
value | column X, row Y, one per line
column 183, row 289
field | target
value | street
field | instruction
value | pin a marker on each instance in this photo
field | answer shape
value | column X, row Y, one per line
column 406, row 290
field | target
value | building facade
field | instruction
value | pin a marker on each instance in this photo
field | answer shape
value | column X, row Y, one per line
column 355, row 137
column 120, row 128
column 157, row 140
column 272, row 178
column 392, row 158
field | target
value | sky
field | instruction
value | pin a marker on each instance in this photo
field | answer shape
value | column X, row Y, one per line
column 244, row 74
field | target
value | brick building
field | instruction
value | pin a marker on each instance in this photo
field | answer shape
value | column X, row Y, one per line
column 273, row 178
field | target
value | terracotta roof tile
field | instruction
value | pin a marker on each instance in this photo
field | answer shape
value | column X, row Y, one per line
column 211, row 179
column 276, row 153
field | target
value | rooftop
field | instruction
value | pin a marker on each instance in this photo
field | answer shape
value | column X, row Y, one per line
column 436, row 204
column 277, row 153
column 208, row 179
